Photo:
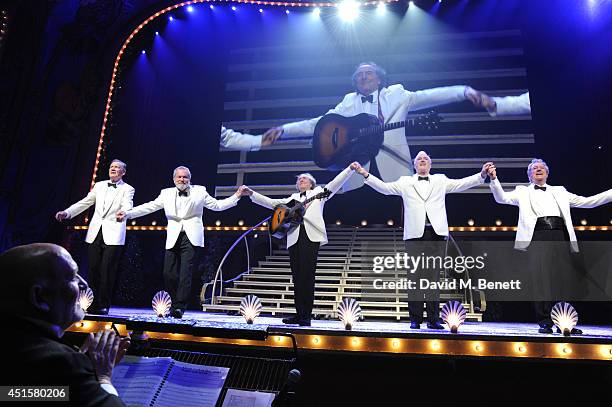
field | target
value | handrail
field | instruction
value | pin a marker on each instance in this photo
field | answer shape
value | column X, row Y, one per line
column 219, row 273
column 470, row 293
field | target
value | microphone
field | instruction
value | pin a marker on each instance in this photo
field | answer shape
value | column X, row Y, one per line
column 282, row 397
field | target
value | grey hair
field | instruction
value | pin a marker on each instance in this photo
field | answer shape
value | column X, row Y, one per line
column 181, row 167
column 124, row 165
column 380, row 72
column 312, row 179
column 536, row 161
column 416, row 156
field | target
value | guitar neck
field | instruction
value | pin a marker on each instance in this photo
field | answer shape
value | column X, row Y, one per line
column 389, row 126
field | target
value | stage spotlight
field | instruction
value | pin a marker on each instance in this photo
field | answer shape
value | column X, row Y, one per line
column 190, row 9
column 171, row 18
column 86, row 298
column 364, row 223
column 240, row 222
column 470, row 222
column 348, row 10
column 133, row 223
column 338, row 222
column 498, row 222
column 583, row 222
column 161, row 303
column 154, row 223
column 156, row 32
column 250, row 308
column 390, row 222
column 286, row 11
column 381, row 8
column 316, row 12
column 261, row 10
column 234, row 8
column 211, row 7
column 143, row 52
column 454, row 314
column 565, row 317
column 349, row 312
column 217, row 223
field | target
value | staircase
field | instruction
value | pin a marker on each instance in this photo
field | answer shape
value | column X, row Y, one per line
column 344, row 270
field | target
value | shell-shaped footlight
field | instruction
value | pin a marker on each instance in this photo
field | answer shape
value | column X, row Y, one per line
column 86, row 298
column 161, row 303
column 454, row 314
column 250, row 307
column 349, row 312
column 565, row 317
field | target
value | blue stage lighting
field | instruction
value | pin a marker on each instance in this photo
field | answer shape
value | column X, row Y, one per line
column 211, row 7
column 261, row 10
column 381, row 8
column 316, row 12
column 190, row 9
column 156, row 32
column 234, row 8
column 143, row 52
column 171, row 18
column 287, row 11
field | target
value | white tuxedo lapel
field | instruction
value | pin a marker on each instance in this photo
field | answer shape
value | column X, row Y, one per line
column 114, row 193
column 418, row 188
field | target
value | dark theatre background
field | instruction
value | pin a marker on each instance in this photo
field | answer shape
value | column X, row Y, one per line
column 56, row 59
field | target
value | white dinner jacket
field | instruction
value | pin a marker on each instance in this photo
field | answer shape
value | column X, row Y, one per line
column 113, row 232
column 313, row 217
column 432, row 204
column 522, row 197
column 510, row 105
column 395, row 103
column 190, row 219
column 234, row 140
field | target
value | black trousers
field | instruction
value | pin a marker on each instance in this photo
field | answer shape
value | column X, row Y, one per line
column 103, row 268
column 548, row 262
column 303, row 259
column 179, row 263
column 430, row 244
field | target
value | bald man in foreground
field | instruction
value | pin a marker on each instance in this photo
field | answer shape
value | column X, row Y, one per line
column 41, row 304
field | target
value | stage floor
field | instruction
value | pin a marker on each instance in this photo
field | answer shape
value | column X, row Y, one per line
column 481, row 329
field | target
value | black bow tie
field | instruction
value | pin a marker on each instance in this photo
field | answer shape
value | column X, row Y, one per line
column 302, row 194
column 369, row 98
column 183, row 193
column 423, row 178
column 539, row 187
column 110, row 184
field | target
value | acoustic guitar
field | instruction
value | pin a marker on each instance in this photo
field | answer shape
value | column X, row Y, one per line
column 290, row 215
column 339, row 140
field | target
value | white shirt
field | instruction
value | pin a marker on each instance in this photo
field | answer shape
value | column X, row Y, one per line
column 109, row 196
column 544, row 203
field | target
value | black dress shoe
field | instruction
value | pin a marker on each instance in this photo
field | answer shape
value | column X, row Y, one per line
column 434, row 325
column 291, row 320
column 545, row 330
column 415, row 325
column 176, row 313
column 98, row 311
column 304, row 322
column 575, row 331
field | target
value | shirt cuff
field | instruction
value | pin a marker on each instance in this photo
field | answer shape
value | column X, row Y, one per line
column 256, row 143
column 109, row 388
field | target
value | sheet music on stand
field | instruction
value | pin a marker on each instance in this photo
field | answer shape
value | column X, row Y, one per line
column 243, row 398
column 164, row 382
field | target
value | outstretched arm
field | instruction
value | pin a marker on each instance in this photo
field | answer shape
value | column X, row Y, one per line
column 387, row 188
column 78, row 207
column 144, row 209
column 263, row 200
column 459, row 185
column 577, row 201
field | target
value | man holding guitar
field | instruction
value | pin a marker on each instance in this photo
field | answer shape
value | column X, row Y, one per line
column 304, row 240
column 390, row 105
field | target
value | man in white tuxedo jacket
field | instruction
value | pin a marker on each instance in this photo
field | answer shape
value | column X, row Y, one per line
column 234, row 140
column 303, row 241
column 183, row 205
column 544, row 215
column 390, row 104
column 105, row 235
column 425, row 225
